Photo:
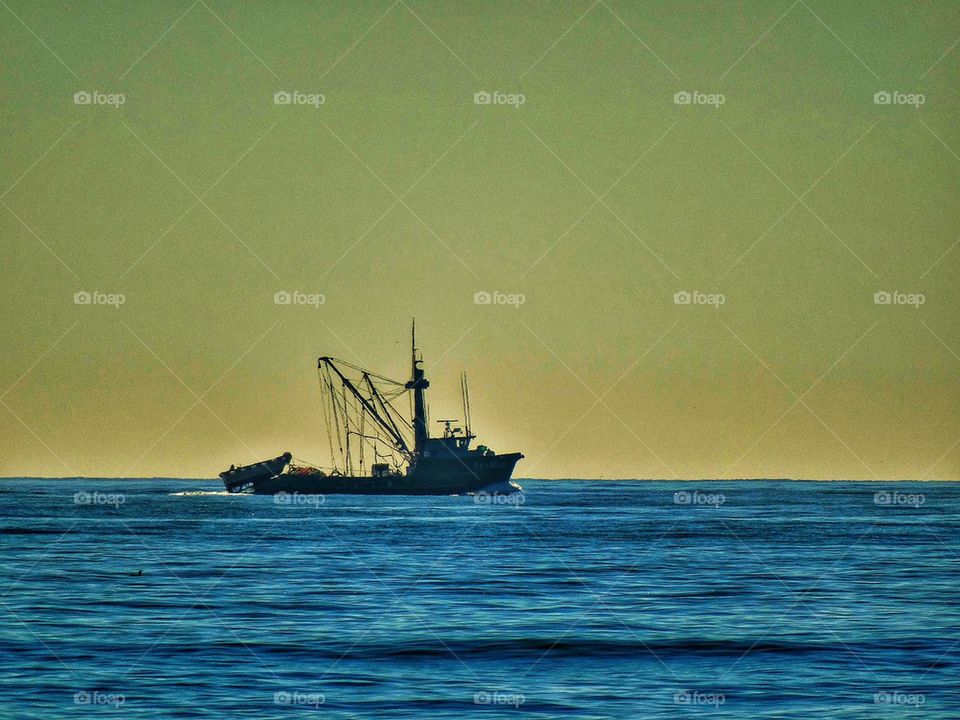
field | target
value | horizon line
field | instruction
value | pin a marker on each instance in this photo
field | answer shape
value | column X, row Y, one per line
column 527, row 479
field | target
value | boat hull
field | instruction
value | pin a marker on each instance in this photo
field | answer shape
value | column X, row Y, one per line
column 239, row 479
column 440, row 476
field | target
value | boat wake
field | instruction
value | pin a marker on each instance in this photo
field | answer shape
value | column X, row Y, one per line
column 199, row 493
column 507, row 487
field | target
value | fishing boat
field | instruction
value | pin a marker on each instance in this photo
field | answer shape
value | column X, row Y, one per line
column 375, row 450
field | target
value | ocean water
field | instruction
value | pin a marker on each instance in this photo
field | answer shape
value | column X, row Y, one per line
column 751, row 599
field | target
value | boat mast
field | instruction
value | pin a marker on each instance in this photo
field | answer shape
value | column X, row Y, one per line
column 465, row 399
column 418, row 383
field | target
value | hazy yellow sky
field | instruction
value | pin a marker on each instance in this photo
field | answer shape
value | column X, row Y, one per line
column 790, row 168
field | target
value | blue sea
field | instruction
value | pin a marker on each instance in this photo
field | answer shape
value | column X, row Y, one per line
column 580, row 599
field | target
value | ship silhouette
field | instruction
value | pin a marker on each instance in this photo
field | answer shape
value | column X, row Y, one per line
column 366, row 432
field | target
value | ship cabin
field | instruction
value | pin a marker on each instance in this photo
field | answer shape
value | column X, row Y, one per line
column 455, row 441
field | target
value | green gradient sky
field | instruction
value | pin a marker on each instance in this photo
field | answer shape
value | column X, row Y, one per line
column 599, row 373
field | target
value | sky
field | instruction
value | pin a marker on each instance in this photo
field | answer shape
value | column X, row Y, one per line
column 718, row 240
